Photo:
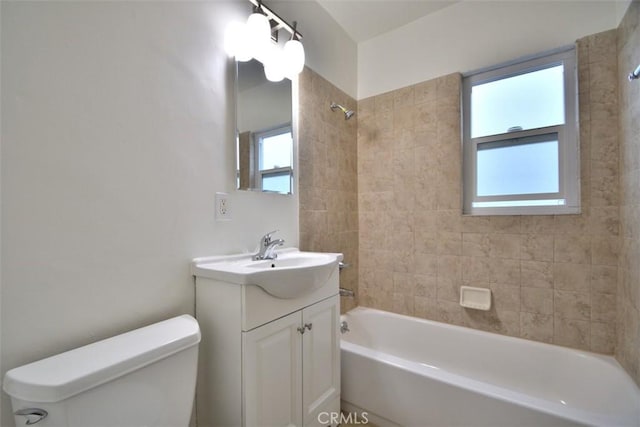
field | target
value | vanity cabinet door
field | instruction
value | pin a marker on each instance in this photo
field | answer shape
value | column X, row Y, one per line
column 272, row 367
column 321, row 360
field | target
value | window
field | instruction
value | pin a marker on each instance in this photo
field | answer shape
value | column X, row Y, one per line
column 274, row 150
column 520, row 138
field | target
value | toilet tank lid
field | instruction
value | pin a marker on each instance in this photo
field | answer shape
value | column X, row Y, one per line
column 66, row 374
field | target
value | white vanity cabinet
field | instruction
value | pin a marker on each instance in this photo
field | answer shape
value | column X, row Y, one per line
column 272, row 370
column 267, row 361
column 291, row 367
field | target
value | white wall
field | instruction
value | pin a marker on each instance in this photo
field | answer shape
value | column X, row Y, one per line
column 264, row 106
column 621, row 10
column 475, row 34
column 1, row 405
column 117, row 130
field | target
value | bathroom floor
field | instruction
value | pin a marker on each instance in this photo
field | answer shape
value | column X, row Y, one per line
column 359, row 424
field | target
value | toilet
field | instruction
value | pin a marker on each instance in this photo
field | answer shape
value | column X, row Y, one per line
column 146, row 377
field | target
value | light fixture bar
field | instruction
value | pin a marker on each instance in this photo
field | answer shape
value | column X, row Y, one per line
column 274, row 16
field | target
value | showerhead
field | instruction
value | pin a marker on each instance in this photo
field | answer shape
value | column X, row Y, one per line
column 347, row 113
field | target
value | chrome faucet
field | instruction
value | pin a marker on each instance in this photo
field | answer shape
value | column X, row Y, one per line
column 268, row 247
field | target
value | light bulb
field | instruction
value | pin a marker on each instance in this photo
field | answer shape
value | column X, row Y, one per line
column 232, row 35
column 273, row 74
column 274, row 69
column 236, row 42
column 263, row 52
column 243, row 52
column 259, row 33
column 269, row 53
column 293, row 57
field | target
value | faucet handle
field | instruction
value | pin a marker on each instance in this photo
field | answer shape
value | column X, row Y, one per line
column 266, row 239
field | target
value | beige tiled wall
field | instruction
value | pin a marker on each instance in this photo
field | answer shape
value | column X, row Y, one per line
column 327, row 177
column 628, row 333
column 553, row 278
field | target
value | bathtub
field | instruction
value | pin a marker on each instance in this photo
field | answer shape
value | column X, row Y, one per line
column 403, row 371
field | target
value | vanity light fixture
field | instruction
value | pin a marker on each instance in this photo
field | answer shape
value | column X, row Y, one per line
column 253, row 39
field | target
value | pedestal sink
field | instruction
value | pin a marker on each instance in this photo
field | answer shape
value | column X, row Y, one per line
column 292, row 274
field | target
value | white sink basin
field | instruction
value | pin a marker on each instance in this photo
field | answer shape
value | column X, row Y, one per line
column 292, row 274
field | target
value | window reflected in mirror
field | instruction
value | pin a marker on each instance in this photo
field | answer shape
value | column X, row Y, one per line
column 264, row 132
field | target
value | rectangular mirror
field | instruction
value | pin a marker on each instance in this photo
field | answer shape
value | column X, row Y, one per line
column 264, row 160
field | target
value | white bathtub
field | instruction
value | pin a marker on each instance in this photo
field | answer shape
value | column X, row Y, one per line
column 412, row 372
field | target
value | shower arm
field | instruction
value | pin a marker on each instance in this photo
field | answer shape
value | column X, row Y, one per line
column 347, row 113
column 334, row 106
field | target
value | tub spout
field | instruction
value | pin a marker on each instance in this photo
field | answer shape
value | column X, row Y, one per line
column 347, row 293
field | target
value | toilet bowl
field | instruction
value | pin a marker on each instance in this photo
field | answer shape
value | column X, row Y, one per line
column 145, row 377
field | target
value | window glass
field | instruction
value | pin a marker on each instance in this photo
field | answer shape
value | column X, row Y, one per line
column 278, row 181
column 518, row 168
column 527, row 101
column 275, row 151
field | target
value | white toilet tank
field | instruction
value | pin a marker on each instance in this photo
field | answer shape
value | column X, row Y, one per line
column 146, row 377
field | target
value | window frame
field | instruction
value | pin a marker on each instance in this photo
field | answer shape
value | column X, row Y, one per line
column 261, row 173
column 568, row 139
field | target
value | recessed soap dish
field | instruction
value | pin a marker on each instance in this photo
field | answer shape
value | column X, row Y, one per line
column 476, row 298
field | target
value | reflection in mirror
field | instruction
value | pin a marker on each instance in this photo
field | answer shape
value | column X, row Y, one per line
column 264, row 133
